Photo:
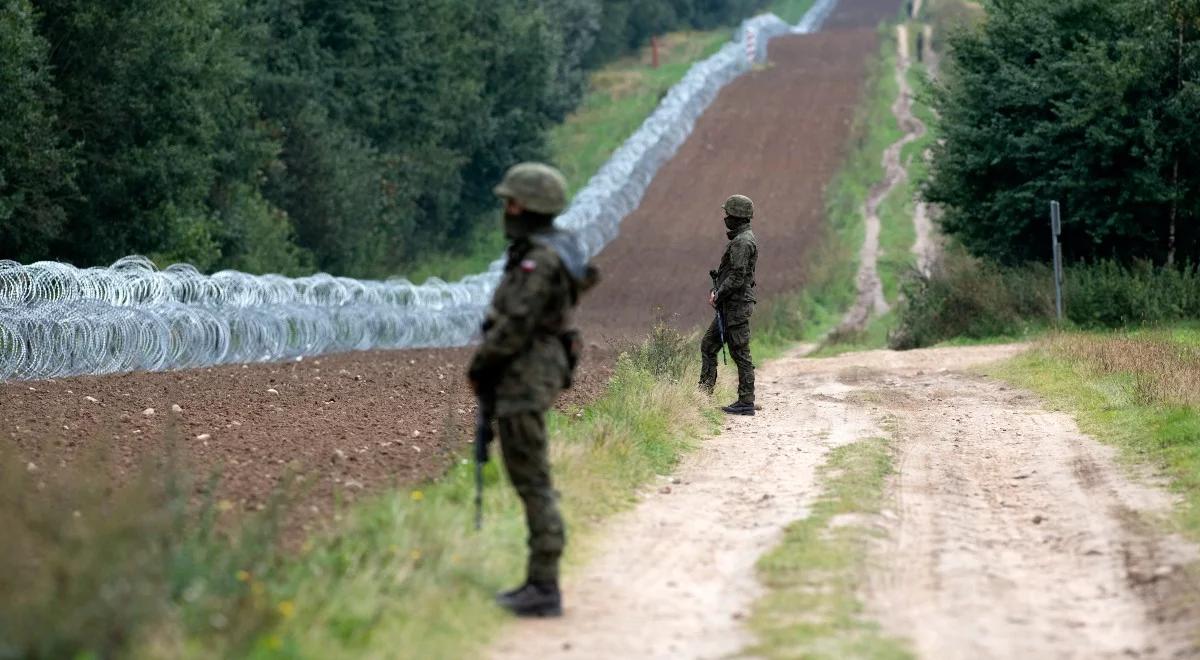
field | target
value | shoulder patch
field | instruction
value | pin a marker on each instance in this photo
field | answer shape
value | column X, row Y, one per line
column 528, row 265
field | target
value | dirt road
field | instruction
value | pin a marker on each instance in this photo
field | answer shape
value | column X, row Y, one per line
column 1011, row 534
column 1016, row 536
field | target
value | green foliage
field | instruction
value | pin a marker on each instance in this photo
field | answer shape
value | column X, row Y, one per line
column 971, row 298
column 967, row 297
column 1089, row 102
column 37, row 165
column 355, row 136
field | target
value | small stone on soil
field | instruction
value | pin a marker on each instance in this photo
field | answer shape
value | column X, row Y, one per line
column 91, row 399
column 665, row 490
column 175, row 408
column 203, row 436
column 149, row 412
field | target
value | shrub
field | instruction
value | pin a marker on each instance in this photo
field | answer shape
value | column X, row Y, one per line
column 976, row 298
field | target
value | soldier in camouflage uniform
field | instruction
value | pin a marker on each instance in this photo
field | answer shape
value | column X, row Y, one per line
column 733, row 297
column 526, row 358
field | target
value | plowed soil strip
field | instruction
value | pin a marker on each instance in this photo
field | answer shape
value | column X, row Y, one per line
column 776, row 134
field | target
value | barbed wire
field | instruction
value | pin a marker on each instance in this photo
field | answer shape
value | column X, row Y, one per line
column 57, row 320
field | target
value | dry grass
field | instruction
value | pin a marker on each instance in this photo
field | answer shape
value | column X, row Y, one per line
column 1163, row 371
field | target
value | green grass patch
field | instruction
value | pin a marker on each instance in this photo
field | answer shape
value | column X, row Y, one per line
column 622, row 95
column 791, row 11
column 811, row 609
column 1136, row 390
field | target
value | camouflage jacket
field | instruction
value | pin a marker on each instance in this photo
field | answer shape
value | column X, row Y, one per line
column 523, row 360
column 734, row 279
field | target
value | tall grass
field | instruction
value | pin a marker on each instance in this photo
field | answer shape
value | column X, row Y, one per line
column 93, row 569
column 791, row 11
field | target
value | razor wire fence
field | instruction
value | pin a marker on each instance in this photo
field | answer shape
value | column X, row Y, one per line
column 57, row 320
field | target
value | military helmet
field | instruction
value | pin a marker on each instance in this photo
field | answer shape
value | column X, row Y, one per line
column 535, row 186
column 739, row 206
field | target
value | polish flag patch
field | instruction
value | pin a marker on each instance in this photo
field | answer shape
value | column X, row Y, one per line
column 528, row 265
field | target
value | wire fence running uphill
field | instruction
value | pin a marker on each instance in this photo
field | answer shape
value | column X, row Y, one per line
column 57, row 320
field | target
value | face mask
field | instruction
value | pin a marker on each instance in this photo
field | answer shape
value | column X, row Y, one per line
column 512, row 227
column 732, row 223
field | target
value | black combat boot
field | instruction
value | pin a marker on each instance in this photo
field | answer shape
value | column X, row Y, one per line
column 739, row 408
column 532, row 599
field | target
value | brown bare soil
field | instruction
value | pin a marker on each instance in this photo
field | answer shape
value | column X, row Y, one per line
column 777, row 135
column 350, row 423
column 357, row 422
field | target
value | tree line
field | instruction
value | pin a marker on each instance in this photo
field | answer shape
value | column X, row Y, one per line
column 1090, row 102
column 351, row 136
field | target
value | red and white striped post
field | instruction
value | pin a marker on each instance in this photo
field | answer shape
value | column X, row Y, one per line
column 751, row 47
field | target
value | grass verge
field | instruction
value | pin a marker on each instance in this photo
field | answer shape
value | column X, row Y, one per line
column 1138, row 390
column 811, row 609
column 791, row 11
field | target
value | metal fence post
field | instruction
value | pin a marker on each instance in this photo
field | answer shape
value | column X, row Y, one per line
column 1055, row 231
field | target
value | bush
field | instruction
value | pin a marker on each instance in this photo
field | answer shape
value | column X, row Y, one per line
column 665, row 354
column 969, row 297
column 975, row 298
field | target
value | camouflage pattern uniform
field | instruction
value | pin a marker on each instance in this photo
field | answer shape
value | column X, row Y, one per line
column 526, row 356
column 733, row 284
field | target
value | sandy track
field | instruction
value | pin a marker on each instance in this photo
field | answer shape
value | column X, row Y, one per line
column 1010, row 534
column 673, row 577
column 1017, row 537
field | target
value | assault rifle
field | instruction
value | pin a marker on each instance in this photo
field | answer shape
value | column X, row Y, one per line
column 720, row 319
column 483, row 437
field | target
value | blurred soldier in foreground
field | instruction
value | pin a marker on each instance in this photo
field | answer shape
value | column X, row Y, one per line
column 732, row 295
column 527, row 357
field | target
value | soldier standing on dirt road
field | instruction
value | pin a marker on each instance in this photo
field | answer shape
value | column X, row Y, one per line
column 526, row 358
column 732, row 296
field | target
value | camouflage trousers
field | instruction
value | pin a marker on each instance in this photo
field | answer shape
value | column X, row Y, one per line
column 523, row 442
column 737, row 337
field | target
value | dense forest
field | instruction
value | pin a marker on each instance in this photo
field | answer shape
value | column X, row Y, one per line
column 351, row 136
column 1094, row 103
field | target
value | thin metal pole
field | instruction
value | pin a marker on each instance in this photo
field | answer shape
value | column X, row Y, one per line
column 1055, row 231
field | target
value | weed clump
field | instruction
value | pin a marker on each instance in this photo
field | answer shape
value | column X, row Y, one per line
column 97, row 569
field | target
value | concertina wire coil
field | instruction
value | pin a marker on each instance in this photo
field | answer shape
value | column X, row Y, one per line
column 57, row 320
